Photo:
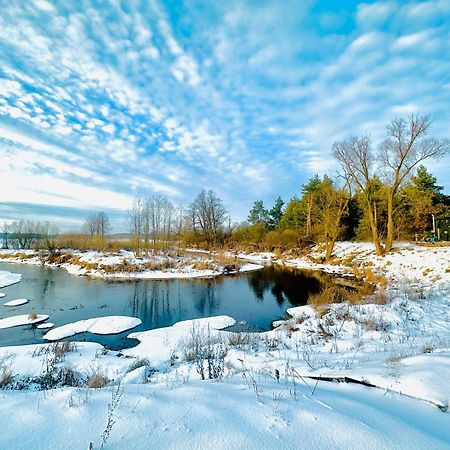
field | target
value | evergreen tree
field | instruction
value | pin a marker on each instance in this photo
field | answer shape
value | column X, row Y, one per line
column 276, row 213
column 292, row 218
column 424, row 181
column 258, row 214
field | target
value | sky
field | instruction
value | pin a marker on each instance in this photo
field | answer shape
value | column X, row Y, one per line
column 104, row 100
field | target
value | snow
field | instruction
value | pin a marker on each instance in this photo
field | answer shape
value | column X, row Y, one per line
column 23, row 319
column 44, row 326
column 222, row 416
column 257, row 257
column 8, row 278
column 401, row 348
column 158, row 344
column 100, row 325
column 251, row 267
column 102, row 264
column 17, row 302
column 2, row 294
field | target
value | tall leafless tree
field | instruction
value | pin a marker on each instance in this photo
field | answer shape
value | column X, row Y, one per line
column 97, row 224
column 208, row 215
column 404, row 148
column 157, row 221
column 357, row 161
column 135, row 221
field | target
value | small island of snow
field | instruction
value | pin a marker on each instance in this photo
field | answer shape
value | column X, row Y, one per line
column 99, row 325
column 17, row 302
column 23, row 319
column 8, row 278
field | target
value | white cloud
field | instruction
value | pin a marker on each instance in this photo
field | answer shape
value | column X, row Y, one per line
column 375, row 14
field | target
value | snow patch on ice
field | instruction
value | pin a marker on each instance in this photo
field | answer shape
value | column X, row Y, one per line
column 44, row 326
column 8, row 278
column 17, row 302
column 23, row 319
column 100, row 325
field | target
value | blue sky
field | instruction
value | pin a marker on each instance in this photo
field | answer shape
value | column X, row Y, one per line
column 102, row 100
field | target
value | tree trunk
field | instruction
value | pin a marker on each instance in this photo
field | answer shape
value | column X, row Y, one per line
column 330, row 247
column 308, row 214
column 390, row 223
column 374, row 229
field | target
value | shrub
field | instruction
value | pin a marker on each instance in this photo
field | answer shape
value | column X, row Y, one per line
column 54, row 376
column 97, row 381
column 140, row 362
column 6, row 376
column 207, row 353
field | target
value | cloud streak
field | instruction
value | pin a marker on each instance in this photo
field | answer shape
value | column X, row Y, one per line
column 98, row 103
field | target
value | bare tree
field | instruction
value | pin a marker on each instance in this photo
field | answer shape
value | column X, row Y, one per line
column 157, row 223
column 208, row 215
column 97, row 224
column 25, row 234
column 405, row 147
column 136, row 222
column 103, row 224
column 90, row 224
column 5, row 243
column 357, row 160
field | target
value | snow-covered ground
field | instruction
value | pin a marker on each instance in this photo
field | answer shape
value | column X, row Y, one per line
column 125, row 265
column 391, row 363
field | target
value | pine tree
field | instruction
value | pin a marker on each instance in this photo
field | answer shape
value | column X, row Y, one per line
column 276, row 213
column 258, row 214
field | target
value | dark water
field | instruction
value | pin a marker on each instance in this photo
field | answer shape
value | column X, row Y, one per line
column 256, row 298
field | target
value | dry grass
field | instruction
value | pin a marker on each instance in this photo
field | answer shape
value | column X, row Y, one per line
column 59, row 349
column 435, row 244
column 97, row 381
column 18, row 255
column 336, row 293
column 368, row 275
column 226, row 260
column 204, row 264
column 6, row 377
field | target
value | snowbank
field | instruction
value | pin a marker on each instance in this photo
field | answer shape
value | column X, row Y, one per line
column 157, row 345
column 250, row 267
column 101, row 325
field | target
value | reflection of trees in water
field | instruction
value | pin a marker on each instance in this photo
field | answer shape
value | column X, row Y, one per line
column 44, row 287
column 151, row 303
column 206, row 299
column 294, row 285
column 161, row 303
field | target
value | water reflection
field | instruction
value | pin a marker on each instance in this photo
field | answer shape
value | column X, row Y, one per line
column 286, row 284
column 255, row 298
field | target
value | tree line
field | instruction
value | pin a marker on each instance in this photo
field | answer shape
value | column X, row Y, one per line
column 380, row 193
